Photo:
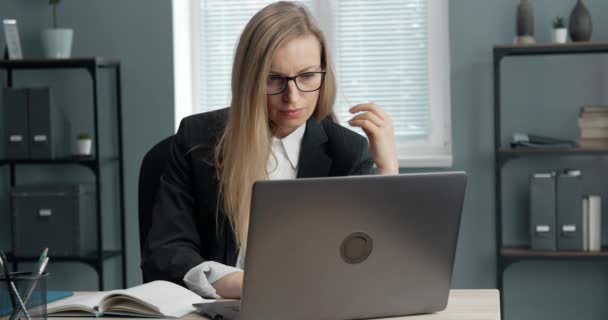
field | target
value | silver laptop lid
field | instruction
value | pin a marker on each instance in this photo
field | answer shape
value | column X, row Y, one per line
column 351, row 247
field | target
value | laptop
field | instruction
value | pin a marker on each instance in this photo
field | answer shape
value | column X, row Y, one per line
column 352, row 247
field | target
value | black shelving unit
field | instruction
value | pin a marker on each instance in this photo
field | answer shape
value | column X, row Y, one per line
column 509, row 255
column 94, row 66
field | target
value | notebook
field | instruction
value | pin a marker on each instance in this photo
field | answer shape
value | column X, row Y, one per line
column 159, row 299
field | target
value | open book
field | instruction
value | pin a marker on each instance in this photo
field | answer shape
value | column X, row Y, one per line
column 154, row 299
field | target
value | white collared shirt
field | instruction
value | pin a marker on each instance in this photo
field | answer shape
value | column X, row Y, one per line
column 282, row 164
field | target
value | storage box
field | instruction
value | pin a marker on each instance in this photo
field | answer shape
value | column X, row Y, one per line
column 49, row 130
column 15, row 133
column 542, row 212
column 33, row 128
column 569, row 211
column 60, row 217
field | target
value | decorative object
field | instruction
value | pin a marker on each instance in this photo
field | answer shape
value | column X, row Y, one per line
column 13, row 43
column 525, row 23
column 84, row 144
column 57, row 42
column 580, row 27
column 560, row 32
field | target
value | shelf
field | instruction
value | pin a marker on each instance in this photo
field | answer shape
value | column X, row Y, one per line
column 508, row 151
column 94, row 66
column 527, row 253
column 86, row 258
column 73, row 63
column 89, row 161
column 551, row 49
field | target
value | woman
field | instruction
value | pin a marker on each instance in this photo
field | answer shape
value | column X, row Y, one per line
column 280, row 125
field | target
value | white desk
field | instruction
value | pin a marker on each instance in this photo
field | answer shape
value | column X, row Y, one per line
column 462, row 305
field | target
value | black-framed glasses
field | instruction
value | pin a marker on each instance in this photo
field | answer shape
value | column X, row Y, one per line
column 305, row 82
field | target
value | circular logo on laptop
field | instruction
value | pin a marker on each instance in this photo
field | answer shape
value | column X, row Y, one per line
column 356, row 247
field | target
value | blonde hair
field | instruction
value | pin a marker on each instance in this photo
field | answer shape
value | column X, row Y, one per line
column 245, row 145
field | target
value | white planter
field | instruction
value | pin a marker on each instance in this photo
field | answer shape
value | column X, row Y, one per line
column 84, row 147
column 560, row 35
column 57, row 43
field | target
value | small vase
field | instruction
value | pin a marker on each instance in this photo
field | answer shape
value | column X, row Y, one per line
column 525, row 23
column 560, row 35
column 580, row 26
column 57, row 43
column 84, row 147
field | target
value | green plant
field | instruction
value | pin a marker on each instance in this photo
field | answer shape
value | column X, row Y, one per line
column 83, row 136
column 54, row 3
column 559, row 23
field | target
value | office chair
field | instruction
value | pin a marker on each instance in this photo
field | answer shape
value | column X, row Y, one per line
column 152, row 167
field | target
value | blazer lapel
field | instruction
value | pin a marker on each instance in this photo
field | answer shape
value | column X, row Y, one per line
column 314, row 161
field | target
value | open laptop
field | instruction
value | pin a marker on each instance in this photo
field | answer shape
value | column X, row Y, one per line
column 349, row 247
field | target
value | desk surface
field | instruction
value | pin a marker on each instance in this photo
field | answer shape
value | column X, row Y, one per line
column 462, row 305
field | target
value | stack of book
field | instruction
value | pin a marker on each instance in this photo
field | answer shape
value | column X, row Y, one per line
column 593, row 125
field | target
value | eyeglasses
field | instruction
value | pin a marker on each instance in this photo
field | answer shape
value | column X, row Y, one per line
column 305, row 82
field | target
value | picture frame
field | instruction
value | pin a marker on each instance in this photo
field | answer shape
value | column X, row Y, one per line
column 13, row 42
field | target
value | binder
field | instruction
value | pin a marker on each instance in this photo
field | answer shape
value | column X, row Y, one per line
column 595, row 222
column 585, row 224
column 569, row 211
column 542, row 211
column 15, row 114
column 49, row 130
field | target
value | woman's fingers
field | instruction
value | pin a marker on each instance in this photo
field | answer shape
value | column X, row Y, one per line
column 371, row 129
column 372, row 117
column 370, row 107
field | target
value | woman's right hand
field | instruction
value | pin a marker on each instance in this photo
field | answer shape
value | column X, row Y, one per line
column 230, row 286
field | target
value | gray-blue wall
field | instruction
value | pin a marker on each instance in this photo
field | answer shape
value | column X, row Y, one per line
column 540, row 94
column 139, row 33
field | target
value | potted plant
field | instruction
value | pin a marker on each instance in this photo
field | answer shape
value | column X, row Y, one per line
column 560, row 32
column 57, row 42
column 84, row 144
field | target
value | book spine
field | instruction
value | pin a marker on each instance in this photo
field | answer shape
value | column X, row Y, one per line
column 593, row 122
column 585, row 212
column 595, row 223
column 594, row 133
column 593, row 143
column 598, row 109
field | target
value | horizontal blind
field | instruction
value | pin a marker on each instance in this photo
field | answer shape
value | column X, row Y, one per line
column 382, row 56
column 221, row 23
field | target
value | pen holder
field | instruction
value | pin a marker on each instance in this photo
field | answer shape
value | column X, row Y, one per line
column 34, row 298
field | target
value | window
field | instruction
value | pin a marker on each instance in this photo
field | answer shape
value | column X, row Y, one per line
column 391, row 52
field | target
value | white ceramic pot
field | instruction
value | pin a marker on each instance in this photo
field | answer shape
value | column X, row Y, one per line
column 57, row 43
column 84, row 147
column 560, row 35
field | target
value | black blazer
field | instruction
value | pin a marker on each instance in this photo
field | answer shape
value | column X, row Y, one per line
column 188, row 228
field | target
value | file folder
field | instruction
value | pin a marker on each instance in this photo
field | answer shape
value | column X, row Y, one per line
column 569, row 211
column 542, row 211
column 15, row 114
column 49, row 130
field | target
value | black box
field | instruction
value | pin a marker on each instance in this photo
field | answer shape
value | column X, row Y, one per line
column 33, row 128
column 15, row 135
column 60, row 217
column 49, row 130
column 542, row 212
column 569, row 211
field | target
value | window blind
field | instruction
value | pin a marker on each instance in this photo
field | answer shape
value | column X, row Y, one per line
column 221, row 23
column 380, row 49
column 381, row 56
